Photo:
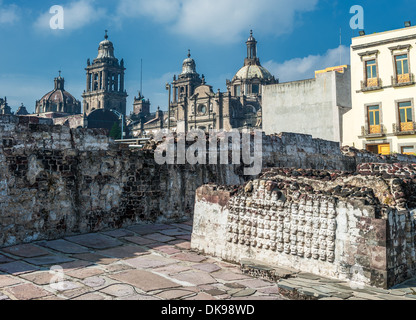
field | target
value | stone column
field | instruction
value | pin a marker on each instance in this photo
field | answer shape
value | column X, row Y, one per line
column 116, row 82
column 122, row 82
column 105, row 80
column 88, row 81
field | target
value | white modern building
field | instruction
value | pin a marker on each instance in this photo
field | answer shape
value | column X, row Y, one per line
column 382, row 119
column 313, row 106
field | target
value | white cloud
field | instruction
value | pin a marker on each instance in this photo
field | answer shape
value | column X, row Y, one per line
column 77, row 15
column 9, row 14
column 219, row 20
column 159, row 10
column 304, row 68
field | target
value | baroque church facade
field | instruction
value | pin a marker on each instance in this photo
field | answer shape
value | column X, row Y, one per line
column 194, row 104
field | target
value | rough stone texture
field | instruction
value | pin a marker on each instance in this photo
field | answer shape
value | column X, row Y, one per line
column 57, row 182
column 345, row 226
column 144, row 280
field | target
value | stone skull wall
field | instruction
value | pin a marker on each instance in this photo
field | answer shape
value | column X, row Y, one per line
column 348, row 227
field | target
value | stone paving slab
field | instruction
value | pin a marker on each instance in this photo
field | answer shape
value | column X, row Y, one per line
column 207, row 267
column 126, row 264
column 90, row 297
column 85, row 273
column 145, row 280
column 119, row 290
column 172, row 269
column 119, row 233
column 113, row 268
column 149, row 228
column 26, row 251
column 76, row 264
column 169, row 250
column 255, row 283
column 49, row 260
column 94, row 257
column 174, row 232
column 150, row 261
column 64, row 246
column 4, row 259
column 181, row 244
column 17, row 267
column 96, row 282
column 189, row 257
column 27, row 291
column 7, row 281
column 183, row 226
column 229, row 276
column 62, row 286
column 176, row 294
column 39, row 278
column 124, row 252
column 159, row 237
column 95, row 241
column 195, row 278
column 140, row 240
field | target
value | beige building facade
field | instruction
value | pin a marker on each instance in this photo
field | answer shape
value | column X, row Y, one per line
column 382, row 119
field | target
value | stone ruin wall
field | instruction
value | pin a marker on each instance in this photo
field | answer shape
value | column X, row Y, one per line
column 56, row 181
column 357, row 227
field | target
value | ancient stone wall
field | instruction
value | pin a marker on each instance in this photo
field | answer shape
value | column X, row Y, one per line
column 56, row 181
column 340, row 225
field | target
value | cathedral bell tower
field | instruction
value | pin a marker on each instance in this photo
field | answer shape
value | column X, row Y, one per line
column 105, row 81
column 251, row 51
column 183, row 88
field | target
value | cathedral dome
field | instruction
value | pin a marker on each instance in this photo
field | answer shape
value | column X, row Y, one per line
column 189, row 65
column 253, row 71
column 58, row 100
column 106, row 49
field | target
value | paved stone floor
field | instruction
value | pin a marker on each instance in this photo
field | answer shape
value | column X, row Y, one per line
column 152, row 262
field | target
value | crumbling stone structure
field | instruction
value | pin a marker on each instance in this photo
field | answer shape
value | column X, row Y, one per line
column 352, row 226
column 56, row 181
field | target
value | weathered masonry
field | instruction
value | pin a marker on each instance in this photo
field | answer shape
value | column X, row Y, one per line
column 56, row 181
column 357, row 226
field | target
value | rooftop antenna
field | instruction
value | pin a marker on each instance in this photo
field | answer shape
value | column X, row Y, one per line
column 340, row 44
column 141, row 76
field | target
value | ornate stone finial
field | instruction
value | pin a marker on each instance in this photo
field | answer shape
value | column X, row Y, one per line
column 251, row 32
column 60, row 73
column 106, row 35
column 189, row 53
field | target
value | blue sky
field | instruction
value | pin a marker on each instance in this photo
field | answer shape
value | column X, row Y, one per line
column 296, row 37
